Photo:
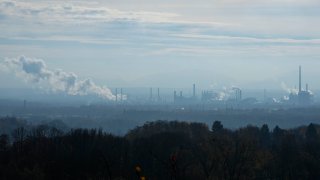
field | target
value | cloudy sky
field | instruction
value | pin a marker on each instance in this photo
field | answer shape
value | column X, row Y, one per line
column 143, row 43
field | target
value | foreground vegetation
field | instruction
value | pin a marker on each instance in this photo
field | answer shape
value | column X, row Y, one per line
column 162, row 150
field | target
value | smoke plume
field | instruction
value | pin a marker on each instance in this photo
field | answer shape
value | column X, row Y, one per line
column 289, row 90
column 36, row 71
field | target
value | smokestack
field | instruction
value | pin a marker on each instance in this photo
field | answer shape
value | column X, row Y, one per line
column 181, row 94
column 158, row 94
column 174, row 96
column 307, row 88
column 299, row 79
column 194, row 90
column 24, row 104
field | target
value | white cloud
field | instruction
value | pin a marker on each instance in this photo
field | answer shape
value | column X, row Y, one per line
column 37, row 72
column 125, row 32
column 46, row 12
column 245, row 39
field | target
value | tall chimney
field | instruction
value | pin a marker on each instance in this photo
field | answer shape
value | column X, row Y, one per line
column 158, row 94
column 181, row 94
column 299, row 79
column 307, row 88
column 174, row 95
column 194, row 90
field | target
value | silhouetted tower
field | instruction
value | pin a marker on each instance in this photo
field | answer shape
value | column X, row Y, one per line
column 307, row 87
column 174, row 95
column 238, row 93
column 299, row 79
column 180, row 94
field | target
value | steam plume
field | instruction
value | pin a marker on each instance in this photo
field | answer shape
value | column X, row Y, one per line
column 289, row 90
column 36, row 71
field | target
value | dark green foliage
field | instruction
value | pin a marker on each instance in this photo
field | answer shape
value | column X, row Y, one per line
column 162, row 150
column 4, row 142
column 216, row 126
column 311, row 133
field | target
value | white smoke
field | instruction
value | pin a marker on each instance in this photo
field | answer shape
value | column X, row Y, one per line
column 289, row 90
column 36, row 71
column 226, row 93
column 286, row 98
column 222, row 96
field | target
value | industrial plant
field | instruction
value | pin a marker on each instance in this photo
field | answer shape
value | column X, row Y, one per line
column 225, row 97
column 302, row 96
column 131, row 107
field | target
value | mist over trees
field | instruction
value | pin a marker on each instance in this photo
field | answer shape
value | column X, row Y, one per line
column 162, row 150
column 121, row 118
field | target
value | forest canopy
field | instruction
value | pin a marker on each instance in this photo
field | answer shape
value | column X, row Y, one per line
column 161, row 150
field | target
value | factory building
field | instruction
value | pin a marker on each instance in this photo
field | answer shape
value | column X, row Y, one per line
column 180, row 99
column 303, row 97
column 209, row 96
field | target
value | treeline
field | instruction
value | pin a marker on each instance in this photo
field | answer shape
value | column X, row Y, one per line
column 162, row 150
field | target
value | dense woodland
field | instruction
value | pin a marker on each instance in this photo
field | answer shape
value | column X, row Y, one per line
column 161, row 150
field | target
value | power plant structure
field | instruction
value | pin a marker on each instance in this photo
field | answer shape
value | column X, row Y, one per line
column 238, row 93
column 119, row 97
column 180, row 99
column 215, row 97
column 152, row 97
column 208, row 96
column 302, row 97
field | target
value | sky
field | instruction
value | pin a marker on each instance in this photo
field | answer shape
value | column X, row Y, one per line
column 162, row 43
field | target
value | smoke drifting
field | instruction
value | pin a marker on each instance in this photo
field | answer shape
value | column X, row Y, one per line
column 289, row 90
column 36, row 71
column 226, row 93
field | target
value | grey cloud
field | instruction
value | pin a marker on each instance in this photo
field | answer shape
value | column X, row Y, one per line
column 7, row 4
